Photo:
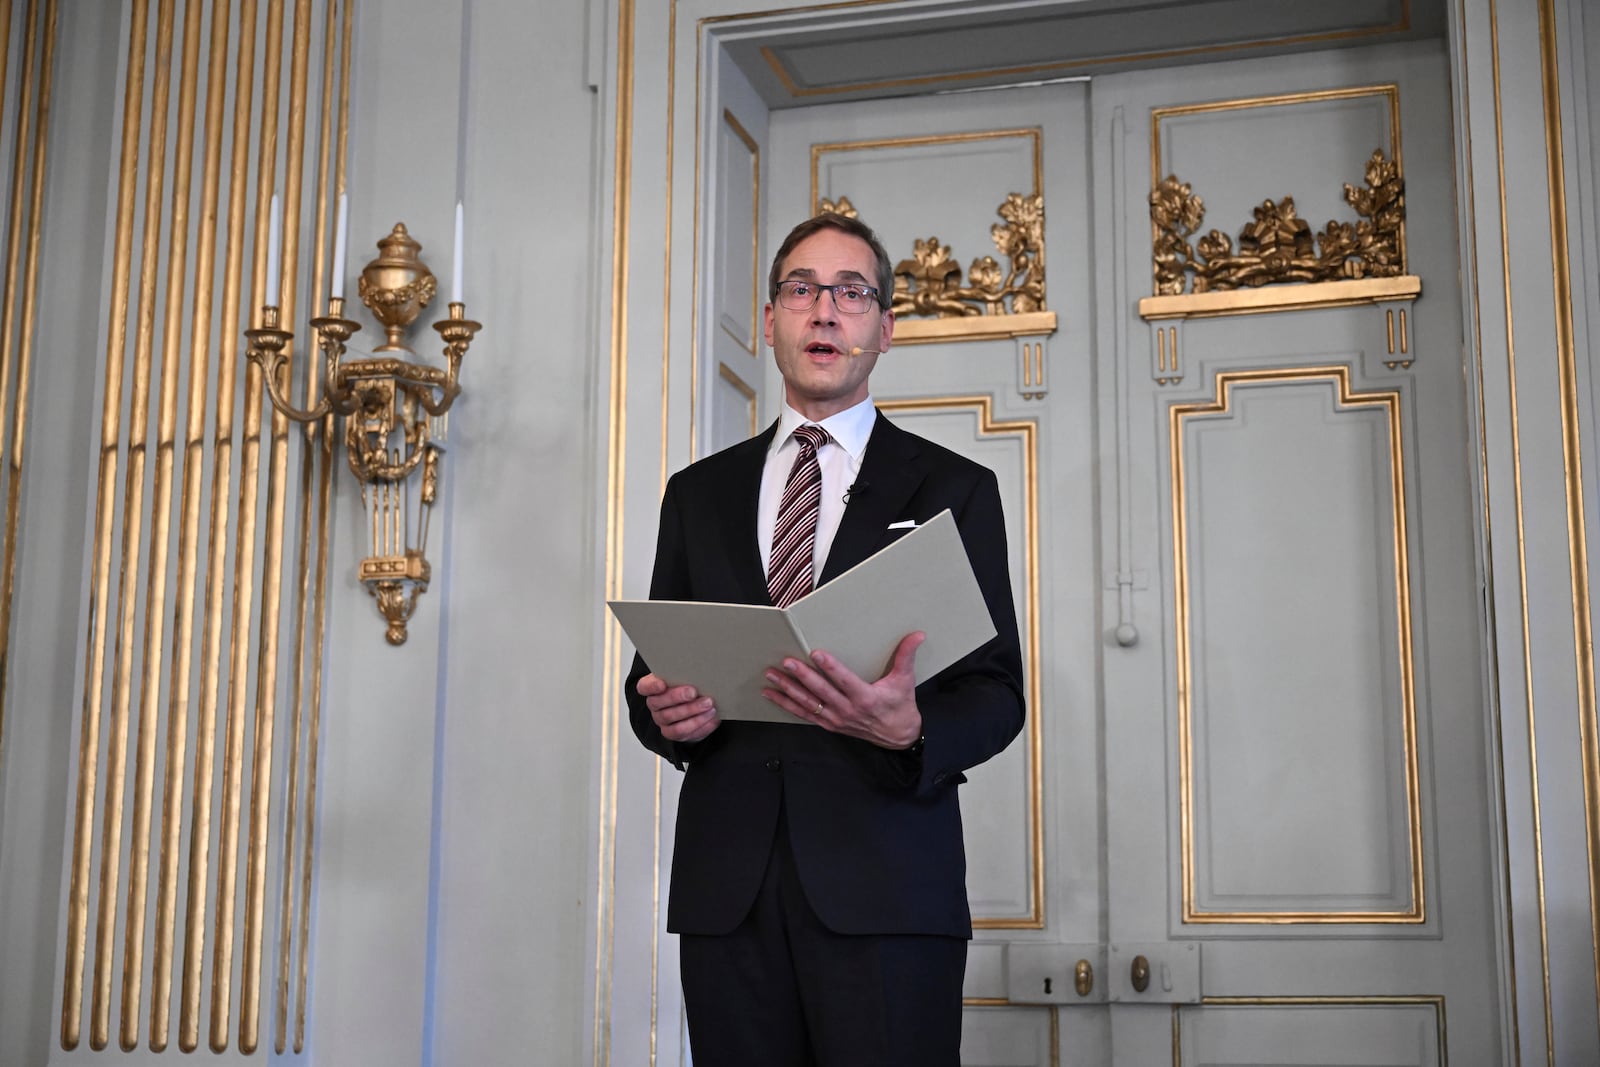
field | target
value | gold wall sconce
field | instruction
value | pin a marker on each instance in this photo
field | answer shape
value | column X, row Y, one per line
column 394, row 406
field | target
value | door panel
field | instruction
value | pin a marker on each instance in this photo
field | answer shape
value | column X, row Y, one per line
column 935, row 171
column 1305, row 682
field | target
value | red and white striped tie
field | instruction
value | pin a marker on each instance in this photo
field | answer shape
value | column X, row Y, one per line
column 794, row 537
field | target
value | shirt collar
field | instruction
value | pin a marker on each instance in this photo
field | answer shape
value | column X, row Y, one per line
column 849, row 428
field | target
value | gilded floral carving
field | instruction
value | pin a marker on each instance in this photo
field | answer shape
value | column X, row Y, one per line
column 1277, row 246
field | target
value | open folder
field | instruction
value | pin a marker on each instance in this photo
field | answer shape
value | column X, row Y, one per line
column 923, row 581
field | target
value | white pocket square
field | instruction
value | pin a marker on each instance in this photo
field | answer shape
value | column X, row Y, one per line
column 904, row 524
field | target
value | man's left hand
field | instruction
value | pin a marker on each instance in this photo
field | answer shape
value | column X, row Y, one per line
column 830, row 695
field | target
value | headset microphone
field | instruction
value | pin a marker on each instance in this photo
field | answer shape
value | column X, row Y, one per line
column 859, row 351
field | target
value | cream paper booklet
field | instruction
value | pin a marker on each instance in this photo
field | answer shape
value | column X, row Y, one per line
column 923, row 581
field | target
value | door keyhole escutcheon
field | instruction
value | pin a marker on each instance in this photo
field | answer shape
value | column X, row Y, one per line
column 1083, row 978
column 1140, row 974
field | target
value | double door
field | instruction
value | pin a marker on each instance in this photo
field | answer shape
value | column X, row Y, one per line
column 1249, row 819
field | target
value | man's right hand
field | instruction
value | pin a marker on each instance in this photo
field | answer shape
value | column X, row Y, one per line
column 680, row 712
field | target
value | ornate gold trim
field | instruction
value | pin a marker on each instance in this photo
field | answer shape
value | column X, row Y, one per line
column 1390, row 92
column 974, row 328
column 1389, row 401
column 928, row 283
column 794, row 89
column 1280, row 298
column 727, row 374
column 1277, row 247
column 982, row 405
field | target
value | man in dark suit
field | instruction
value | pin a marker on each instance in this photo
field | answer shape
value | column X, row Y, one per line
column 819, row 875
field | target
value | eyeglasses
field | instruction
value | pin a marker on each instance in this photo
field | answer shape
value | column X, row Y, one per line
column 852, row 298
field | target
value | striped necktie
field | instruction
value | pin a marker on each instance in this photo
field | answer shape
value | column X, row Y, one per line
column 795, row 534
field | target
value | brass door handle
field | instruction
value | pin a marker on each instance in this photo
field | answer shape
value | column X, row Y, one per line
column 1083, row 978
column 1140, row 974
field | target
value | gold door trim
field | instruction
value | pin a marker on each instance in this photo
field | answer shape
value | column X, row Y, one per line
column 1387, row 401
column 1434, row 1001
column 1491, row 649
column 1572, row 463
column 1032, row 133
column 1026, row 430
column 1522, row 556
column 740, row 132
column 729, row 375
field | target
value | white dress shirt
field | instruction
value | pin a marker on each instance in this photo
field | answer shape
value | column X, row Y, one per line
column 840, row 460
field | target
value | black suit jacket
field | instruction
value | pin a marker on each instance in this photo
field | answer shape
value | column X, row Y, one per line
column 876, row 834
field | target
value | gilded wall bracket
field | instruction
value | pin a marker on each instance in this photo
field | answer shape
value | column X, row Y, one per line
column 1279, row 263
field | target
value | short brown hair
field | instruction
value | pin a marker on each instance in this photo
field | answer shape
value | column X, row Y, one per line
column 844, row 224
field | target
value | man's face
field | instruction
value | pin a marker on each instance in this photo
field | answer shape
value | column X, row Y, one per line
column 812, row 348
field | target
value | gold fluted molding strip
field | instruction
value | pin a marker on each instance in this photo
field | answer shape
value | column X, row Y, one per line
column 133, row 516
column 19, row 352
column 616, row 482
column 224, row 931
column 217, row 542
column 324, row 489
column 105, row 511
column 178, row 696
column 148, row 690
column 308, row 460
column 271, row 599
column 156, row 590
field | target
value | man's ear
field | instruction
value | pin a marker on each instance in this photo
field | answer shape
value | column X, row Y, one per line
column 886, row 332
column 766, row 323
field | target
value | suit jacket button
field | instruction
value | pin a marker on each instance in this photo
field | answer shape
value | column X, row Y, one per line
column 774, row 764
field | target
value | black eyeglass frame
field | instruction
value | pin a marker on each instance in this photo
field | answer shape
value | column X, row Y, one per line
column 833, row 291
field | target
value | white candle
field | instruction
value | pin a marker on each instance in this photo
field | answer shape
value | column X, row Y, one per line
column 455, row 278
column 341, row 233
column 274, row 239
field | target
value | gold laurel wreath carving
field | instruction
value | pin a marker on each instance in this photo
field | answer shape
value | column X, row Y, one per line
column 1279, row 246
column 928, row 283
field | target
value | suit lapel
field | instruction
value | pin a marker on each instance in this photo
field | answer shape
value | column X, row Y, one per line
column 738, row 519
column 891, row 473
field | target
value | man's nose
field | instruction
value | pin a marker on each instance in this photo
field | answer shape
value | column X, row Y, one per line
column 828, row 316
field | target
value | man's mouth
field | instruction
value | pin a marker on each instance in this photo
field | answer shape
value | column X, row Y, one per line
column 821, row 348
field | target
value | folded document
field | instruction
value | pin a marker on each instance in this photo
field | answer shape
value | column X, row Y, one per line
column 923, row 581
